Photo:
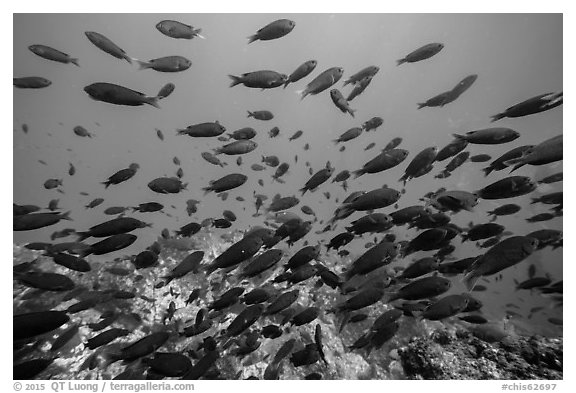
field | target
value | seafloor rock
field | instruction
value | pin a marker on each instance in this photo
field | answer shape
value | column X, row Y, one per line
column 446, row 355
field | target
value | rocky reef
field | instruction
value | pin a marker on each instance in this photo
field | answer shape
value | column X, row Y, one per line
column 462, row 355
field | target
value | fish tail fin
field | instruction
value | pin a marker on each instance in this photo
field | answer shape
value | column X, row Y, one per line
column 358, row 173
column 534, row 200
column 106, row 184
column 459, row 137
column 252, row 38
column 75, row 62
column 152, row 101
column 464, row 237
column 351, row 111
column 142, row 65
column 207, row 190
column 82, row 236
column 236, row 80
column 197, row 33
column 66, row 216
column 488, row 170
column 336, row 141
column 498, row 117
column 390, row 297
column 517, row 162
column 470, row 280
column 280, row 181
column 250, row 114
column 304, row 189
column 128, row 58
column 302, row 94
column 400, row 61
column 345, row 319
column 85, row 253
column 286, row 84
column 421, row 105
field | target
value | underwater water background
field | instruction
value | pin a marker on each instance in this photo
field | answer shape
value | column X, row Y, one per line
column 516, row 56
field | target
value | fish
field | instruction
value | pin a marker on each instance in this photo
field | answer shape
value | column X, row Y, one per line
column 189, row 264
column 81, row 131
column 31, row 82
column 422, row 53
column 31, row 368
column 371, row 223
column 226, row 183
column 178, row 30
column 71, row 262
column 119, row 95
column 480, row 158
column 341, row 102
column 296, row 135
column 122, row 175
column 105, row 44
column 544, row 153
column 239, row 252
column 262, row 262
column 164, row 92
column 243, row 133
column 509, row 187
column 52, row 183
column 244, row 320
column 372, row 124
column 64, row 337
column 49, row 53
column 386, row 160
column 274, row 132
column 318, row 179
column 33, row 324
column 169, row 364
column 281, row 170
column 261, row 115
column 501, row 162
column 464, row 85
column 94, row 203
column 273, row 30
column 166, row 64
column 110, row 244
column 503, row 255
column 445, row 307
column 325, row 80
column 556, row 177
column 420, row 267
column 482, row 231
column 282, row 302
column 422, row 288
column 374, row 258
column 537, row 104
column 148, row 207
column 455, row 200
column 490, row 136
column 167, row 185
column 359, row 88
column 31, row 221
column 272, row 161
column 367, row 72
column 302, row 71
column 242, row 146
column 46, row 281
column 264, row 79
